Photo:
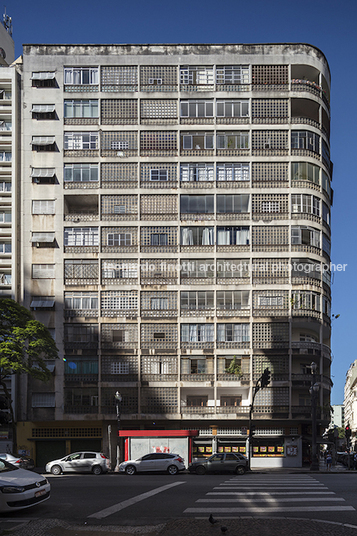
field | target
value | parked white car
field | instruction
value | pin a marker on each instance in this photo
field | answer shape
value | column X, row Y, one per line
column 21, row 488
column 158, row 461
column 80, row 462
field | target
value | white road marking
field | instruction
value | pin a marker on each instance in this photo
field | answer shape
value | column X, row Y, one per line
column 272, row 493
column 266, row 499
column 259, row 510
column 120, row 506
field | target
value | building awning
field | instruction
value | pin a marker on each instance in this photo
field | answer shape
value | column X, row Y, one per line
column 43, row 172
column 43, row 75
column 39, row 303
column 43, row 108
column 47, row 238
column 43, row 140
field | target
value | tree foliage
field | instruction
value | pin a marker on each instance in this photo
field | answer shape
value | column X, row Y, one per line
column 24, row 343
column 234, row 367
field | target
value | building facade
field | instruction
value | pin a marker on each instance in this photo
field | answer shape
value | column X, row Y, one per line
column 176, row 240
column 350, row 402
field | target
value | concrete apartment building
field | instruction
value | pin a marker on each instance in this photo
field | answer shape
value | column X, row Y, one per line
column 350, row 402
column 176, row 240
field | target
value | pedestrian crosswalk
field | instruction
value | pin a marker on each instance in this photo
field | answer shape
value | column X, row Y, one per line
column 266, row 494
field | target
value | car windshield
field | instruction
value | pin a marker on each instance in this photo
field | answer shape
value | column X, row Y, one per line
column 5, row 467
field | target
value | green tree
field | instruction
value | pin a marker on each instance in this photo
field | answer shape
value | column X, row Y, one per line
column 234, row 367
column 24, row 345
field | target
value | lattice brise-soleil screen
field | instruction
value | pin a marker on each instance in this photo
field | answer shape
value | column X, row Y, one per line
column 158, row 204
column 270, row 203
column 270, row 74
column 118, row 172
column 119, row 111
column 148, row 232
column 270, row 108
column 270, row 139
column 270, row 332
column 158, row 364
column 158, row 332
column 269, row 236
column 146, row 169
column 270, row 172
column 81, row 269
column 158, row 300
column 109, row 332
column 276, row 364
column 158, row 75
column 119, row 204
column 271, row 268
column 159, row 400
column 159, row 109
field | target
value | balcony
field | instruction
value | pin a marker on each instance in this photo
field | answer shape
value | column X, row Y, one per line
column 197, row 377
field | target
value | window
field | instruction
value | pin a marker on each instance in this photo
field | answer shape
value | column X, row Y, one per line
column 305, row 140
column 5, row 247
column 43, row 111
column 80, row 140
column 233, row 299
column 81, row 333
column 158, row 174
column 233, row 333
column 43, row 207
column 326, row 244
column 5, row 156
column 197, row 268
column 232, row 74
column 43, row 400
column 196, row 108
column 43, row 175
column 43, row 271
column 119, row 270
column 42, row 302
column 302, row 171
column 233, row 140
column 192, row 75
column 229, row 236
column 232, row 108
column 81, row 108
column 44, row 79
column 232, row 172
column 197, row 332
column 43, row 143
column 325, row 213
column 159, row 239
column 197, row 141
column 305, row 235
column 270, row 206
column 232, row 204
column 81, row 75
column 118, row 335
column 326, row 184
column 119, row 239
column 195, row 401
column 5, row 186
column 305, row 268
column 196, row 172
column 303, row 203
column 80, row 366
column 159, row 304
column 80, row 300
column 81, row 236
column 197, row 204
column 193, row 300
column 81, row 172
column 305, row 300
column 47, row 239
column 233, row 268
column 5, row 217
column 197, row 236
column 270, row 301
column 231, row 401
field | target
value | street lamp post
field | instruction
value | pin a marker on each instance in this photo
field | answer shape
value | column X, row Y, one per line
column 314, row 389
column 118, row 400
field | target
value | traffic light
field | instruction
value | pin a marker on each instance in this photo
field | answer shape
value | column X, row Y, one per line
column 252, row 430
column 347, row 431
column 265, row 379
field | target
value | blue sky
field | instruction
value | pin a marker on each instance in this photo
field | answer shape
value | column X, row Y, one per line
column 326, row 24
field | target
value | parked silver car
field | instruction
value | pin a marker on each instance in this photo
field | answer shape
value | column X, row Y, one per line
column 20, row 488
column 158, row 461
column 80, row 462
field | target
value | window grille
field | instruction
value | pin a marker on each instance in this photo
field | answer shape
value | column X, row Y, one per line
column 80, row 269
column 270, row 140
column 156, row 142
column 43, row 400
column 270, row 110
column 158, row 207
column 270, row 173
column 159, row 400
column 158, row 300
column 119, row 112
column 119, row 175
column 158, row 78
column 264, row 238
column 163, row 334
column 74, row 141
column 119, row 141
column 43, row 207
column 119, row 301
column 272, row 204
column 232, row 172
column 267, row 75
column 119, row 237
column 158, row 172
column 81, row 236
column 270, row 270
column 270, row 335
column 196, row 76
column 153, row 236
column 120, row 269
column 158, row 109
column 42, row 271
column 119, row 78
column 118, row 207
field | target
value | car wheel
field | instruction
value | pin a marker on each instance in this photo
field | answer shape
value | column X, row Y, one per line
column 200, row 470
column 56, row 470
column 130, row 470
column 96, row 470
column 240, row 470
column 172, row 470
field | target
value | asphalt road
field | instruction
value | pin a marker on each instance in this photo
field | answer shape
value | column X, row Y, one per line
column 150, row 499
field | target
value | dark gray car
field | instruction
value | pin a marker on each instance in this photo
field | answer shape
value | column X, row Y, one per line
column 220, row 463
